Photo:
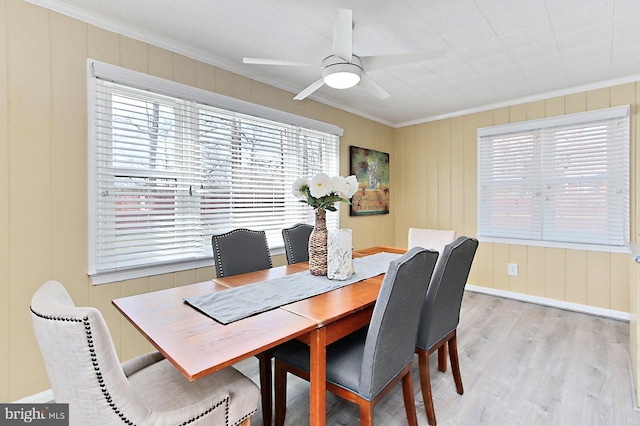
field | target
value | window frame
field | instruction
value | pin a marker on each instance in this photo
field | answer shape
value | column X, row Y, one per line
column 160, row 87
column 542, row 179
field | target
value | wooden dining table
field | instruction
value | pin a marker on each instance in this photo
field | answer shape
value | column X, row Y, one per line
column 198, row 345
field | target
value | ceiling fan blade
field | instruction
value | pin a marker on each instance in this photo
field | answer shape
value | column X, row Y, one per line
column 264, row 61
column 370, row 63
column 368, row 84
column 309, row 90
column 342, row 33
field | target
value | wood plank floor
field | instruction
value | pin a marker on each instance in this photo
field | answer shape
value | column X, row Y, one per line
column 521, row 364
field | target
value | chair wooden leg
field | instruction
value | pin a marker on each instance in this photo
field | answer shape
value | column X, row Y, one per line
column 455, row 364
column 281, row 394
column 264, row 360
column 442, row 357
column 425, row 383
column 409, row 401
column 366, row 412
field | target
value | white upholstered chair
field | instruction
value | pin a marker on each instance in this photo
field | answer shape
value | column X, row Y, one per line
column 434, row 239
column 84, row 371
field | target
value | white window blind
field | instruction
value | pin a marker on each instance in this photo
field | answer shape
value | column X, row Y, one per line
column 558, row 180
column 167, row 173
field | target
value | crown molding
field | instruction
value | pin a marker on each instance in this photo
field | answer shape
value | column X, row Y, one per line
column 202, row 56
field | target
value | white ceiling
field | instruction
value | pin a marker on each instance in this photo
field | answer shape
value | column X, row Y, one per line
column 499, row 51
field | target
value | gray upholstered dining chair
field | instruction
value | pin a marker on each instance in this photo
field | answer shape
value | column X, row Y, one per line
column 296, row 242
column 364, row 366
column 238, row 252
column 84, row 371
column 440, row 316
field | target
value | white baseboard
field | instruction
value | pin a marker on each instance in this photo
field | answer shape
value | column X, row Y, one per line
column 568, row 306
column 39, row 398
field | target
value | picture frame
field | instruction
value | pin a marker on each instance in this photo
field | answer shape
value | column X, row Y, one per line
column 371, row 169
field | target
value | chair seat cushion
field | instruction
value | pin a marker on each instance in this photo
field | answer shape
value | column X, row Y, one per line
column 162, row 388
column 344, row 359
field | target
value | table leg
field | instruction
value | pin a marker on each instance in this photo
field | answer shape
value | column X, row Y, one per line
column 318, row 377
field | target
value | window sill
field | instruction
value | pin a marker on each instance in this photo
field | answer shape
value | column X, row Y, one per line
column 634, row 250
column 552, row 244
column 130, row 274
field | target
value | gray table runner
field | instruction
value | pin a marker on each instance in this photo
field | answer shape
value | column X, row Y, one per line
column 240, row 302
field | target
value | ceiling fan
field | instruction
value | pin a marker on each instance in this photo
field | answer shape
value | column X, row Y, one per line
column 342, row 69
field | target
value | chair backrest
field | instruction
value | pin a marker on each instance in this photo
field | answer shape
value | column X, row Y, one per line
column 440, row 313
column 81, row 361
column 296, row 242
column 390, row 341
column 434, row 239
column 240, row 251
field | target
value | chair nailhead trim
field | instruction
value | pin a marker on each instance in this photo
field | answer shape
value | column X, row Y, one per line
column 245, row 417
column 289, row 247
column 204, row 413
column 103, row 386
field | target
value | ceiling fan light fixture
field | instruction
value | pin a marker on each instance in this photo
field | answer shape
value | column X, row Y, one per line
column 341, row 80
column 341, row 76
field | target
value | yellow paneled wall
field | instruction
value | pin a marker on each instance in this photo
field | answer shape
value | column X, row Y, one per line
column 43, row 172
column 4, row 212
column 437, row 188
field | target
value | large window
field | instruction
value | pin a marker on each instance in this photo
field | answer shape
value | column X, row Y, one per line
column 170, row 170
column 560, row 181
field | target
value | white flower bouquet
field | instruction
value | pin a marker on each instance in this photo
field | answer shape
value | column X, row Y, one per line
column 322, row 192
